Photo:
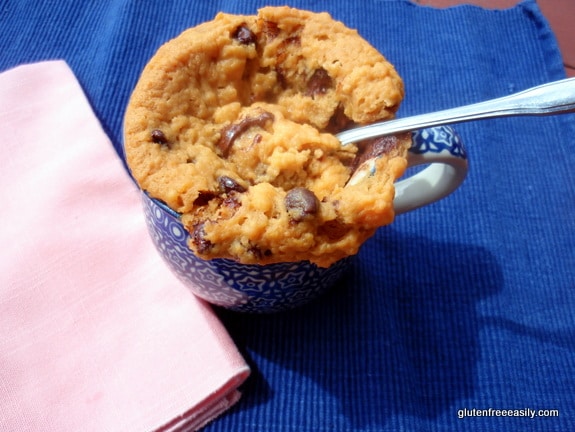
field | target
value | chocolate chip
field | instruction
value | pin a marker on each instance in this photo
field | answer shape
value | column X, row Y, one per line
column 319, row 83
column 285, row 48
column 232, row 202
column 257, row 139
column 228, row 184
column 281, row 78
column 271, row 29
column 198, row 237
column 244, row 35
column 374, row 148
column 293, row 40
column 159, row 137
column 230, row 133
column 334, row 229
column 339, row 121
column 258, row 253
column 204, row 197
column 301, row 203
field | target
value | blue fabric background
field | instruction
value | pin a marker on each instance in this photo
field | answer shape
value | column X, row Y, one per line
column 468, row 303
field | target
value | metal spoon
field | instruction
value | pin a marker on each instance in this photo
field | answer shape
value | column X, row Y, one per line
column 552, row 98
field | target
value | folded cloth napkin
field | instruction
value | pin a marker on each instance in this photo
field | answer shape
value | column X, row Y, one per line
column 95, row 332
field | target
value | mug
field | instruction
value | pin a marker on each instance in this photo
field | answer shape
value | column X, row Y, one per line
column 281, row 286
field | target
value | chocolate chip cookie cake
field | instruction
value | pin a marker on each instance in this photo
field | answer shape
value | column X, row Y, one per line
column 232, row 124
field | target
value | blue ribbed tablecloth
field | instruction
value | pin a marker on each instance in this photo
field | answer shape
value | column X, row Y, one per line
column 468, row 304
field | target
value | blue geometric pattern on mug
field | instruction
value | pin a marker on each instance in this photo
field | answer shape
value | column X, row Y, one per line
column 437, row 140
column 247, row 288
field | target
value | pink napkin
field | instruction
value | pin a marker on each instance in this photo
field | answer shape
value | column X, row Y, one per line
column 96, row 334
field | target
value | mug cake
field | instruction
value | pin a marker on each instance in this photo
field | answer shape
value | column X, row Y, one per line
column 231, row 124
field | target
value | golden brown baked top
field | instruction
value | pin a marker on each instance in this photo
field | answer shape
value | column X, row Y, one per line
column 231, row 124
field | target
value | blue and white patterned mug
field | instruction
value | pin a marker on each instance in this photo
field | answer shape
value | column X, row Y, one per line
column 281, row 286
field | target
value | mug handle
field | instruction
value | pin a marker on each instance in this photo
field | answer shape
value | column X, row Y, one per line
column 441, row 148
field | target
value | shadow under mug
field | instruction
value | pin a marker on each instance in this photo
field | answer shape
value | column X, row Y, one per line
column 282, row 286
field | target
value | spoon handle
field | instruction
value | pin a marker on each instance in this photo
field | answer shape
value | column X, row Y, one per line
column 551, row 98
